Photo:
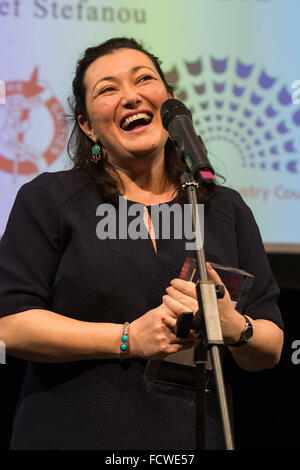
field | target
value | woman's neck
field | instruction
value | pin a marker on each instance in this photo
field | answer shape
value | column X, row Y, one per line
column 146, row 182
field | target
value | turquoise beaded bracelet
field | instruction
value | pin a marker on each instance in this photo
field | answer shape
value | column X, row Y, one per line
column 124, row 348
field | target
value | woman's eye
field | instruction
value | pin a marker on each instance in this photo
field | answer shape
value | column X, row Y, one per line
column 107, row 89
column 145, row 78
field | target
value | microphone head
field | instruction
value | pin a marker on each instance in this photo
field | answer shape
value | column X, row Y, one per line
column 171, row 109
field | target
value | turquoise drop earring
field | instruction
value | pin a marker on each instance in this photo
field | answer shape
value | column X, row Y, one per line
column 96, row 153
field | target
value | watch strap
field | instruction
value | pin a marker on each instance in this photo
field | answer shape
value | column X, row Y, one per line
column 246, row 334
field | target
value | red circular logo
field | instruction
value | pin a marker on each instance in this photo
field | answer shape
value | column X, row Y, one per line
column 25, row 148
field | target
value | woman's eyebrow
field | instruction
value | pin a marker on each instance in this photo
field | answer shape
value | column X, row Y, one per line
column 135, row 69
column 103, row 79
column 114, row 79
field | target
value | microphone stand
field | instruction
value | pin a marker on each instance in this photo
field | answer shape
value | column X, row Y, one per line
column 207, row 323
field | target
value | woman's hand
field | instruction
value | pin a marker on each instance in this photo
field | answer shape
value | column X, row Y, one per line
column 153, row 336
column 264, row 349
column 181, row 297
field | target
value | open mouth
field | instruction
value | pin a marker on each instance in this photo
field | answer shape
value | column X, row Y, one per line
column 135, row 121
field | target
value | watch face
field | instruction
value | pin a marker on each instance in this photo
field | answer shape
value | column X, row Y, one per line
column 249, row 332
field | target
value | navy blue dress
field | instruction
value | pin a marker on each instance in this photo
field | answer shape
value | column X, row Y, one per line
column 51, row 258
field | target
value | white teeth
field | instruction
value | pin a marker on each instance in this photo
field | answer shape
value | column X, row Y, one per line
column 134, row 117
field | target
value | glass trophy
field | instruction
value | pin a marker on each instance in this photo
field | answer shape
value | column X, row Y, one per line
column 179, row 368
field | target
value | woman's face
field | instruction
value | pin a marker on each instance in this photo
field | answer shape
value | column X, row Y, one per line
column 124, row 94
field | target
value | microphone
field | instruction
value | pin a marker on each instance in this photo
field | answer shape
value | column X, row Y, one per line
column 177, row 120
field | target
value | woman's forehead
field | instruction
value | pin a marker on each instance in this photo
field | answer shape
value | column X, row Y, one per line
column 111, row 65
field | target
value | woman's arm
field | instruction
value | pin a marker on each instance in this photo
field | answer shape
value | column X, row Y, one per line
column 44, row 336
column 263, row 351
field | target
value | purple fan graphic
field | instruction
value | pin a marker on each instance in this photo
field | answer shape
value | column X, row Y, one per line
column 243, row 105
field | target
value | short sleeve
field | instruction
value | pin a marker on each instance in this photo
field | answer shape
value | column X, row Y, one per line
column 263, row 297
column 29, row 250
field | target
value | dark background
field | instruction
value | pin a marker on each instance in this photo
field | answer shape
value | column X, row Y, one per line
column 267, row 414
column 267, row 404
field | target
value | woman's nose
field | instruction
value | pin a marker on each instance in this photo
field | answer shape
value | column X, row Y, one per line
column 130, row 97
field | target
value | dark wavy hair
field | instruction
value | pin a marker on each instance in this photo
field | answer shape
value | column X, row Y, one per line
column 80, row 146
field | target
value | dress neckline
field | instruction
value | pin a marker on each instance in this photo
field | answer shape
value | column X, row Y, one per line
column 150, row 205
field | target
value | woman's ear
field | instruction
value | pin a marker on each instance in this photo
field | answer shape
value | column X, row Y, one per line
column 85, row 125
column 171, row 95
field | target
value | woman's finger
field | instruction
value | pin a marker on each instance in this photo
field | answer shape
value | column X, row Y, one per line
column 174, row 305
column 185, row 342
column 186, row 287
column 170, row 321
column 213, row 275
column 183, row 299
